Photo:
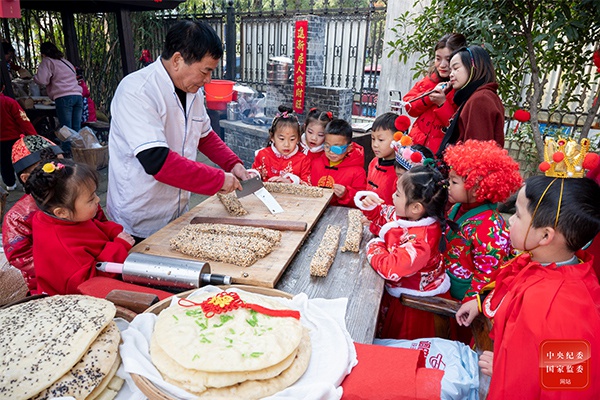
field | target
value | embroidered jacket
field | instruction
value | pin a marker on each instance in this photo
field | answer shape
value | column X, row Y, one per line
column 476, row 250
column 406, row 254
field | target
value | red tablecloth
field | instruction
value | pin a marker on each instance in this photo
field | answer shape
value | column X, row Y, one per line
column 391, row 373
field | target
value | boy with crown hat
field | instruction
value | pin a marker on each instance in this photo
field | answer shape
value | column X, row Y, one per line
column 17, row 237
column 545, row 303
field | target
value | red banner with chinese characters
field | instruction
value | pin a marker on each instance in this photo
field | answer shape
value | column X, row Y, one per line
column 300, row 44
column 10, row 9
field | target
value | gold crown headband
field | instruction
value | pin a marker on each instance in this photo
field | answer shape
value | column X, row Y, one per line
column 565, row 158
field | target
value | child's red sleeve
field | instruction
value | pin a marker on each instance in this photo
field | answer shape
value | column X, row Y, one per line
column 305, row 171
column 403, row 260
column 359, row 182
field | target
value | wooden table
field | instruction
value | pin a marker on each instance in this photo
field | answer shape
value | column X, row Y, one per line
column 350, row 276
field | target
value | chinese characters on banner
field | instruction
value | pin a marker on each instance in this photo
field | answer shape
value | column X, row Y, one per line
column 10, row 9
column 565, row 364
column 300, row 43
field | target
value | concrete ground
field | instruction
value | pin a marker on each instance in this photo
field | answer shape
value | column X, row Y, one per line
column 15, row 195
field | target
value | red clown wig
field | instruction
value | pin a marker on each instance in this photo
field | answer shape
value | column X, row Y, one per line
column 486, row 166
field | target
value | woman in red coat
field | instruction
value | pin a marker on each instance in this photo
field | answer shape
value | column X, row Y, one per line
column 432, row 105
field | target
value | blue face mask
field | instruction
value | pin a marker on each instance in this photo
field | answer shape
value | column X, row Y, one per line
column 339, row 150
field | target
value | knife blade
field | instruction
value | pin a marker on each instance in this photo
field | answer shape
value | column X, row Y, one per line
column 268, row 200
column 249, row 186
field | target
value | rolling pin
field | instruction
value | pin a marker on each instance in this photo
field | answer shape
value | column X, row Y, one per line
column 279, row 225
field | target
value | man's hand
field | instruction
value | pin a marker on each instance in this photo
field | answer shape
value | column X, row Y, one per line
column 467, row 313
column 486, row 362
column 240, row 172
column 230, row 184
column 339, row 190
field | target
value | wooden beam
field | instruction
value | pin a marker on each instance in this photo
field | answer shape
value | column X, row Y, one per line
column 71, row 50
column 126, row 41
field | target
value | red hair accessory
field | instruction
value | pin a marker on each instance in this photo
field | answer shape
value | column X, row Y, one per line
column 544, row 166
column 313, row 109
column 486, row 166
column 402, row 123
column 229, row 301
column 416, row 157
column 590, row 161
column 522, row 115
column 330, row 114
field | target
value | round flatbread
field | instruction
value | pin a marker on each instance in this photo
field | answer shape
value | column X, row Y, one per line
column 41, row 340
column 252, row 390
column 91, row 370
column 111, row 383
column 237, row 341
column 198, row 381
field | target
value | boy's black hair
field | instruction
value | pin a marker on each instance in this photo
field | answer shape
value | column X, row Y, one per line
column 385, row 122
column 339, row 127
column 579, row 219
column 426, row 153
column 194, row 40
column 49, row 49
column 426, row 185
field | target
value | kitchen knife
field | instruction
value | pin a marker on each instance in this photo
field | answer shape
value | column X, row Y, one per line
column 249, row 186
column 255, row 185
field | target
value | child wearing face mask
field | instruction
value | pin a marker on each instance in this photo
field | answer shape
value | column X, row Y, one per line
column 282, row 161
column 431, row 99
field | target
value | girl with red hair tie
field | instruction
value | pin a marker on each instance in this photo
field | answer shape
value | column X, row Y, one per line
column 482, row 174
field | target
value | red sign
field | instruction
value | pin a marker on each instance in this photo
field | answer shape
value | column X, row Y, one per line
column 301, row 38
column 10, row 9
column 565, row 364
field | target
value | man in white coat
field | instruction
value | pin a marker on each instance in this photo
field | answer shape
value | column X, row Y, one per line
column 159, row 122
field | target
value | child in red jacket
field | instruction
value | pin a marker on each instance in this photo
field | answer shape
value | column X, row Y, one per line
column 407, row 252
column 381, row 177
column 67, row 239
column 313, row 132
column 341, row 167
column 282, row 160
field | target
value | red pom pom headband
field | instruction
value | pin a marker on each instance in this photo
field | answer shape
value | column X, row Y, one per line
column 402, row 123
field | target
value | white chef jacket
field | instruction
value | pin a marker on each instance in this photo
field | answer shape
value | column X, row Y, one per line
column 146, row 113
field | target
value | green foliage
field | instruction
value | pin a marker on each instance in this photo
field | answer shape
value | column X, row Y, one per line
column 522, row 36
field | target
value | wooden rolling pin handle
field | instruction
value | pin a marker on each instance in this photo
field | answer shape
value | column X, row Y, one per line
column 134, row 301
column 279, row 225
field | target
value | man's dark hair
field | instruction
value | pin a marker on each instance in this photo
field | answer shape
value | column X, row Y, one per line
column 579, row 218
column 385, row 122
column 194, row 40
column 339, row 127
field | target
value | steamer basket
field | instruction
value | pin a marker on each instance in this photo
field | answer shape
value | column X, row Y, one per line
column 145, row 385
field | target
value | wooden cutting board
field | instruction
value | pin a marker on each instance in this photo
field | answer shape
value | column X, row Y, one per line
column 266, row 271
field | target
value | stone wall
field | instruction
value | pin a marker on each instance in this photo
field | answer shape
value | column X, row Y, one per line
column 244, row 139
column 336, row 100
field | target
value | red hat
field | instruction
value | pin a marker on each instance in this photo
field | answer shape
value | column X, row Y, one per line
column 27, row 151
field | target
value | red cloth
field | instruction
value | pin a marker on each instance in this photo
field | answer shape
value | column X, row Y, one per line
column 482, row 117
column 350, row 173
column 13, row 120
column 478, row 249
column 427, row 129
column 101, row 286
column 269, row 164
column 391, row 373
column 535, row 303
column 382, row 179
column 66, row 252
column 17, row 237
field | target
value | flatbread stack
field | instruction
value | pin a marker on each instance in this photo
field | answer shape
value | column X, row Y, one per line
column 241, row 353
column 59, row 346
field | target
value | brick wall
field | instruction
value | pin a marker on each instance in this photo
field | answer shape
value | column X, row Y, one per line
column 245, row 139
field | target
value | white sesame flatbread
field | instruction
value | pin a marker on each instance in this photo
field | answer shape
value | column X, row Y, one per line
column 91, row 370
column 253, row 390
column 41, row 340
column 239, row 341
column 198, row 381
